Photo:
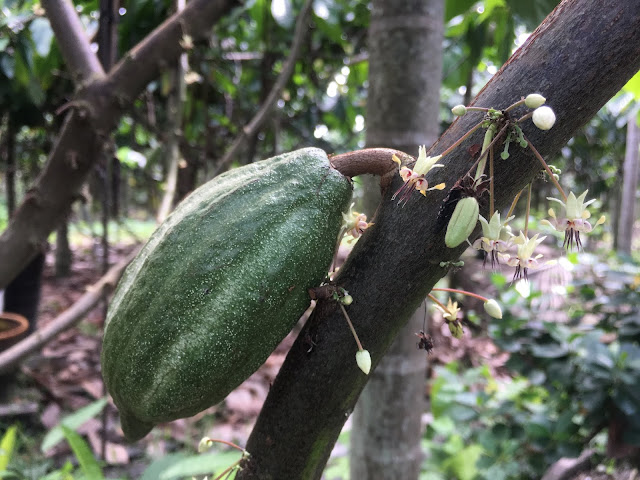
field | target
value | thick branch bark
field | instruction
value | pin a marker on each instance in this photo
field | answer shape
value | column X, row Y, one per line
column 95, row 112
column 67, row 319
column 250, row 129
column 578, row 58
column 73, row 41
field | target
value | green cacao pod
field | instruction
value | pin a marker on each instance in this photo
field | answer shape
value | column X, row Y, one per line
column 218, row 285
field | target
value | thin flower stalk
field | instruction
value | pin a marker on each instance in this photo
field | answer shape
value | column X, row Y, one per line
column 353, row 330
column 491, row 203
column 486, row 144
column 461, row 292
column 495, row 140
column 547, row 169
column 514, row 203
column 526, row 218
column 462, row 139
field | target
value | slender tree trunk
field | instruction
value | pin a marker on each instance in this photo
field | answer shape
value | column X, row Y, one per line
column 64, row 257
column 629, row 186
column 404, row 36
column 94, row 112
column 11, row 166
column 175, row 104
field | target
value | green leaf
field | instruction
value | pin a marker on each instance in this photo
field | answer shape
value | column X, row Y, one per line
column 7, row 444
column 153, row 471
column 88, row 463
column 8, row 475
column 8, row 65
column 633, row 86
column 463, row 463
column 531, row 13
column 552, row 350
column 453, row 8
column 73, row 421
column 201, row 465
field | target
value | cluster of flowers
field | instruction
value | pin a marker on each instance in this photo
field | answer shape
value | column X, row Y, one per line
column 497, row 242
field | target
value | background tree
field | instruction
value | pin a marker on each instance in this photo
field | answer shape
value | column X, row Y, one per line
column 630, row 185
column 403, row 104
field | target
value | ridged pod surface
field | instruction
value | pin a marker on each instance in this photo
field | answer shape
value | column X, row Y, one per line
column 218, row 285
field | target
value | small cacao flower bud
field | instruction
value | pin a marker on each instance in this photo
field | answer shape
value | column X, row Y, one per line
column 534, row 100
column 363, row 359
column 544, row 118
column 459, row 110
column 205, row 444
column 493, row 308
column 462, row 222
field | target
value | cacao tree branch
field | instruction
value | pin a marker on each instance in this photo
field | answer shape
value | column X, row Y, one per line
column 93, row 116
column 251, row 128
column 578, row 58
column 72, row 40
column 10, row 358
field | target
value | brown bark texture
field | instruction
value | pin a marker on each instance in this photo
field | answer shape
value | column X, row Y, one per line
column 94, row 113
column 578, row 58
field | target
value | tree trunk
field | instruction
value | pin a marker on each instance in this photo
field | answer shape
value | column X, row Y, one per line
column 108, row 33
column 11, row 166
column 64, row 256
column 174, row 121
column 579, row 57
column 404, row 37
column 629, row 186
column 94, row 113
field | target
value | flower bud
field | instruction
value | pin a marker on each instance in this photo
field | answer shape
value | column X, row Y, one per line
column 205, row 444
column 493, row 308
column 347, row 300
column 544, row 118
column 534, row 100
column 459, row 110
column 363, row 359
column 463, row 221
